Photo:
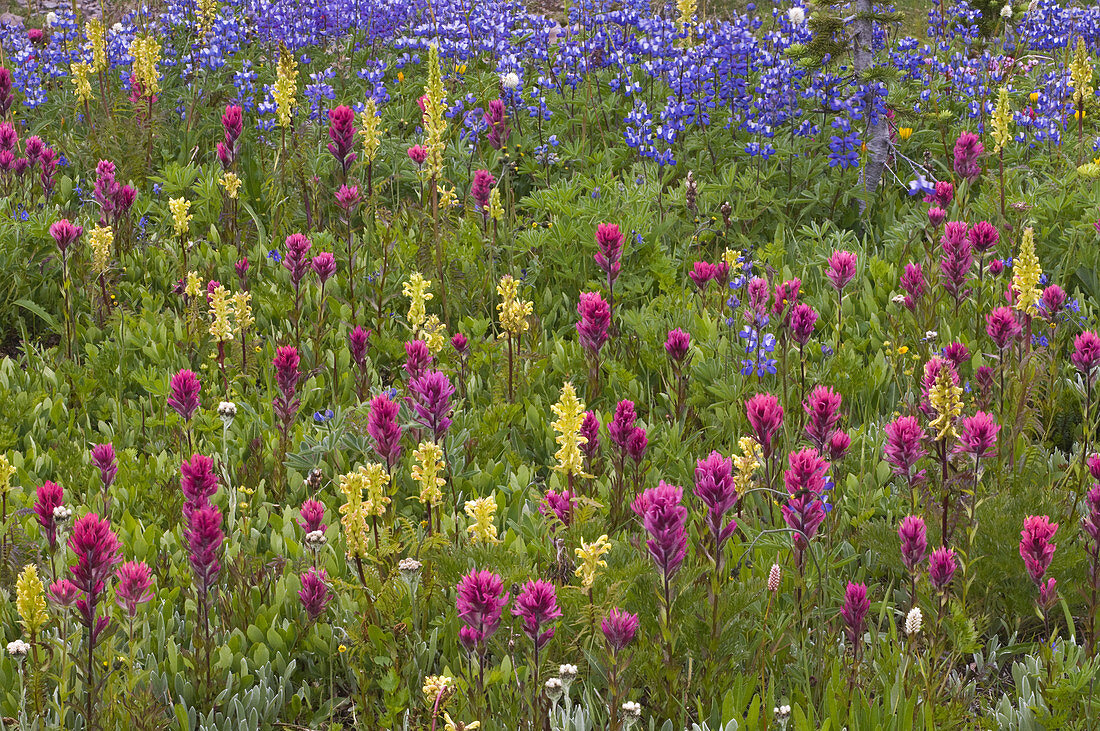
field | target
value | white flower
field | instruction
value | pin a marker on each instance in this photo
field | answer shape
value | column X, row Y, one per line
column 51, row 19
column 898, row 299
column 782, row 711
column 774, row 577
column 930, row 335
column 631, row 712
column 554, row 689
column 567, row 670
column 227, row 410
column 315, row 539
column 1032, row 5
column 408, row 566
column 913, row 621
column 509, row 80
column 1006, row 11
column 116, row 28
column 61, row 513
column 18, row 648
column 796, row 15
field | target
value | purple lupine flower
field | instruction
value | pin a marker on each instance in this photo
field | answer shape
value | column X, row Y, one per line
column 417, row 358
column 103, row 457
column 560, row 504
column 384, row 430
column 665, row 519
column 914, row 541
column 590, row 430
column 341, row 131
column 357, row 345
column 765, row 416
column 1086, row 354
column 1002, row 327
column 537, row 604
column 822, row 409
column 312, row 515
column 481, row 188
column 204, row 537
column 619, row 628
column 323, row 265
column 595, row 319
column 677, row 345
column 968, row 148
column 1035, row 546
column 984, row 237
column 431, row 401
column 314, row 594
column 803, row 320
column 96, row 549
column 854, row 612
column 912, row 281
column 715, row 487
column 135, row 581
column 286, row 403
column 903, row 447
column 978, row 435
column 198, row 482
column 48, row 497
column 609, row 244
column 183, row 393
column 480, row 601
column 296, row 260
column 941, row 567
column 496, row 119
column 842, row 269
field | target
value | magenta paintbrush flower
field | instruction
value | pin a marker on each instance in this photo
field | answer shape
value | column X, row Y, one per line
column 854, row 612
column 198, row 482
column 619, row 628
column 1086, row 354
column 1054, row 299
column 968, row 148
column 560, row 504
column 715, row 487
column 183, row 393
column 1035, row 546
column 765, row 416
column 590, row 430
column 978, row 435
column 358, row 339
column 701, row 273
column 323, row 265
column 957, row 259
column 838, row 445
column 384, row 430
column 595, row 319
column 481, row 188
column 134, row 587
column 914, row 541
column 314, row 594
column 97, row 553
column 63, row 593
column 48, row 498
column 204, row 539
column 943, row 195
column 103, row 458
column 65, row 234
column 803, row 321
column 312, row 514
column 912, row 281
column 431, row 402
column 806, row 473
column 957, row 353
column 665, row 519
column 677, row 345
column 348, row 197
column 903, row 447
column 622, row 424
column 418, row 154
column 286, row 403
column 984, row 237
column 496, row 119
column 842, row 269
column 804, row 515
column 537, row 604
column 785, row 298
column 1091, row 521
column 341, row 131
column 941, row 567
column 296, row 260
column 1002, row 327
column 417, row 358
column 822, row 409
column 637, row 444
column 480, row 601
column 609, row 244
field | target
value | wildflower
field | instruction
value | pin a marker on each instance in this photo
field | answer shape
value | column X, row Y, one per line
column 665, row 519
column 913, row 621
column 418, row 358
column 1035, row 547
column 183, row 393
column 590, row 557
column 914, row 542
column 941, row 567
column 803, row 320
column 842, row 268
column 957, row 258
column 232, row 183
column 146, row 54
column 775, row 575
column 348, row 197
column 590, row 433
column 181, row 215
column 1086, row 354
column 554, row 689
column 221, row 328
column 297, row 257
column 18, row 649
column 512, row 311
column 716, row 488
column 984, row 237
column 65, row 234
column 560, row 504
column 480, row 602
column 418, row 154
column 30, row 600
column 854, row 613
column 677, row 345
column 595, row 319
column 198, row 483
column 135, row 581
column 905, row 133
column 357, row 345
column 609, row 244
column 1080, row 72
column 570, row 413
column 496, row 210
column 48, row 499
column 96, row 34
column 1002, row 119
column 97, row 551
column 483, row 511
column 509, row 80
column 314, row 594
column 451, row 725
column 619, row 628
column 537, row 604
column 370, row 124
column 632, row 712
column 101, row 240
column 384, row 430
column 285, row 89
column 765, row 416
column 82, row 88
column 427, row 472
column 483, row 183
column 1002, row 327
column 978, row 436
column 944, row 397
column 417, row 290
column 342, row 133
column 968, row 148
column 242, row 311
column 434, row 118
column 437, row 689
column 1053, row 300
column 1025, row 275
column 822, row 409
column 323, row 265
column 702, row 273
column 354, row 512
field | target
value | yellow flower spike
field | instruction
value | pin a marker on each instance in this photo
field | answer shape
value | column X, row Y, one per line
column 417, row 290
column 371, row 130
column 101, row 240
column 194, row 285
column 435, row 120
column 451, row 725
column 285, row 90
column 570, row 412
column 439, row 687
column 1002, row 121
column 181, row 215
column 208, row 10
column 496, row 210
column 686, row 9
column 512, row 311
column 483, row 511
column 356, row 510
column 427, row 471
column 97, row 38
column 591, row 560
column 221, row 329
column 82, row 87
column 945, row 397
column 7, row 470
column 146, row 54
column 30, row 600
column 1026, row 273
column 242, row 311
column 746, row 464
column 433, row 333
column 1080, row 74
column 232, row 183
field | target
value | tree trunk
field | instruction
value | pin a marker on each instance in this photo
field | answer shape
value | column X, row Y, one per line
column 878, row 144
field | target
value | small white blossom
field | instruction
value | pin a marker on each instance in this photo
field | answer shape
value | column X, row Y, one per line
column 796, row 15
column 227, row 410
column 631, row 713
column 51, row 19
column 554, row 689
column 61, row 513
column 18, row 649
column 898, row 299
column 913, row 621
column 409, row 566
column 1006, row 11
column 315, row 539
column 930, row 335
column 509, row 80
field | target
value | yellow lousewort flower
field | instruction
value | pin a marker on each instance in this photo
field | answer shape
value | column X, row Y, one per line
column 448, row 198
column 221, row 329
column 371, row 130
column 512, row 311
column 82, row 88
column 439, row 687
column 181, row 215
column 570, row 413
column 435, row 120
column 1033, row 96
column 483, row 511
column 730, row 257
column 208, row 10
column 242, row 311
column 232, row 183
column 746, row 463
column 945, row 397
column 496, row 210
column 1080, row 74
column 450, row 725
column 97, row 38
column 375, row 481
column 355, row 511
column 194, row 285
column 591, row 560
column 1089, row 170
column 1002, row 121
column 687, row 18
column 285, row 90
column 146, row 54
column 1026, row 273
column 434, row 334
column 6, row 472
column 427, row 472
column 101, row 240
column 905, row 133
column 30, row 600
column 417, row 290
